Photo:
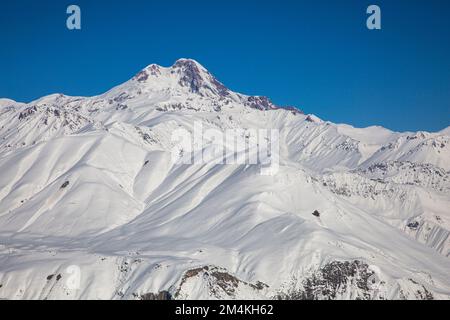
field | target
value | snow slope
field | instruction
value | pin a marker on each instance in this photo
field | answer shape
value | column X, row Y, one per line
column 93, row 207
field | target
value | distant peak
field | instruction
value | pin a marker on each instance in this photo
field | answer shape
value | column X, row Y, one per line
column 191, row 75
column 183, row 62
column 197, row 78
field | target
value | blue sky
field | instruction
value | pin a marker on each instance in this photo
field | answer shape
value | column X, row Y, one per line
column 316, row 55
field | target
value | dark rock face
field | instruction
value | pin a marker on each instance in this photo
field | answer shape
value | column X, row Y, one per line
column 121, row 107
column 162, row 295
column 154, row 70
column 122, row 97
column 141, row 76
column 191, row 75
column 316, row 213
column 221, row 89
column 51, row 276
column 219, row 280
column 334, row 279
column 260, row 103
column 196, row 79
column 413, row 225
column 264, row 104
column 65, row 184
column 309, row 119
column 27, row 112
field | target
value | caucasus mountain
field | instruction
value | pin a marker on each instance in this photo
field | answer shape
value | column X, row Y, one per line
column 92, row 205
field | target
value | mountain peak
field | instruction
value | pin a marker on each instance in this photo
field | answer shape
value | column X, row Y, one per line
column 188, row 74
column 185, row 62
column 192, row 74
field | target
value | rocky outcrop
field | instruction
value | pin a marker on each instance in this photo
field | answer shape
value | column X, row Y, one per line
column 162, row 295
column 219, row 283
column 336, row 279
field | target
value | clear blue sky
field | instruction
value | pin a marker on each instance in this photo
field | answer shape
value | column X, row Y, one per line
column 317, row 55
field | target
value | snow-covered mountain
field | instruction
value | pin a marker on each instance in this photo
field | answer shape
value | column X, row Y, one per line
column 93, row 207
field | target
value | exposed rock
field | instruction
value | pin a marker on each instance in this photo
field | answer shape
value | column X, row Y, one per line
column 28, row 111
column 260, row 103
column 413, row 225
column 65, row 185
column 141, row 76
column 162, row 295
column 334, row 279
column 191, row 75
column 220, row 283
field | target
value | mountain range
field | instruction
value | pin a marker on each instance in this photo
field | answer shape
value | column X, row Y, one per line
column 93, row 207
